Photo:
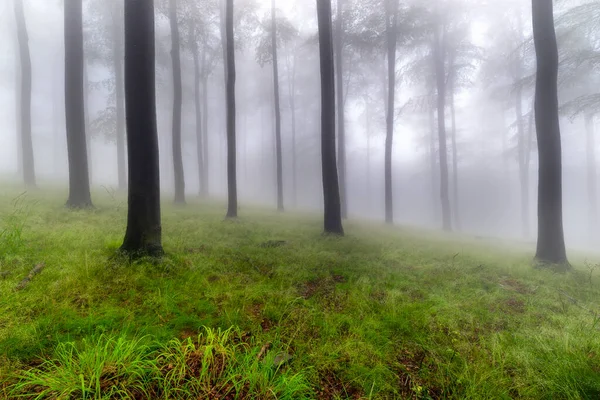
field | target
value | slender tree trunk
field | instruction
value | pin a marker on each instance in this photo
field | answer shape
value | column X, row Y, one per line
column 198, row 108
column 79, row 184
column 456, row 208
column 439, row 52
column 143, row 235
column 28, row 166
column 339, row 66
column 231, row 145
column 206, row 165
column 277, row 109
column 368, row 131
column 391, row 29
column 117, row 49
column 292, row 88
column 551, row 243
column 591, row 173
column 331, row 189
column 523, row 169
column 177, row 103
column 88, row 141
column 433, row 163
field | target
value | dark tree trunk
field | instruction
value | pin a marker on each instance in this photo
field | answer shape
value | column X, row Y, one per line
column 440, row 73
column 591, row 173
column 177, row 101
column 331, row 189
column 277, row 109
column 230, row 83
column 551, row 242
column 391, row 29
column 198, row 110
column 117, row 48
column 79, row 183
column 24, row 93
column 339, row 67
column 143, row 235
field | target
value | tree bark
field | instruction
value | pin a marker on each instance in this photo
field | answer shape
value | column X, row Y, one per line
column 339, row 69
column 455, row 192
column 27, row 157
column 591, row 173
column 177, row 103
column 198, row 110
column 232, row 200
column 277, row 109
column 292, row 89
column 391, row 29
column 79, row 183
column 331, row 191
column 206, row 165
column 117, row 37
column 551, row 243
column 86, row 108
column 143, row 235
column 439, row 52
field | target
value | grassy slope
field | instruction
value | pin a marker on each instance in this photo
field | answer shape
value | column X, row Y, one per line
column 381, row 313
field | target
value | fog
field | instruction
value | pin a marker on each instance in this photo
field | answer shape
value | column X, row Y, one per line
column 491, row 41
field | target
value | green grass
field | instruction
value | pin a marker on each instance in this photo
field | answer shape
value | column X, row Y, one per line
column 230, row 312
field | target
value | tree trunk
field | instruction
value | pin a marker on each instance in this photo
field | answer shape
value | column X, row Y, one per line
column 368, row 131
column 86, row 109
column 79, row 184
column 177, row 102
column 455, row 192
column 339, row 66
column 206, row 165
column 331, row 191
column 551, row 243
column 230, row 84
column 439, row 52
column 433, row 163
column 27, row 158
column 277, row 109
column 143, row 235
column 292, row 88
column 391, row 28
column 591, row 173
column 117, row 49
column 198, row 110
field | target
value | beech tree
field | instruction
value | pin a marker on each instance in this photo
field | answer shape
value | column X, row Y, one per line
column 331, row 190
column 24, row 94
column 551, row 242
column 143, row 234
column 79, row 183
column 229, row 53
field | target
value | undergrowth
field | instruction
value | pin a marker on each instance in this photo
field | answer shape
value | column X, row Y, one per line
column 266, row 307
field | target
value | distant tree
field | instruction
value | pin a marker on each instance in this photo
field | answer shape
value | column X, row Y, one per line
column 551, row 243
column 229, row 52
column 177, row 103
column 143, row 235
column 331, row 190
column 79, row 183
column 277, row 108
column 391, row 28
column 340, row 101
column 27, row 158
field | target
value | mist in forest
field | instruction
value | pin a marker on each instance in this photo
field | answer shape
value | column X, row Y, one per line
column 487, row 54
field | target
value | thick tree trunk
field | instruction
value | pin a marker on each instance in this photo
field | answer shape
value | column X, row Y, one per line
column 198, row 111
column 24, row 93
column 391, row 28
column 551, row 243
column 230, row 84
column 331, row 190
column 79, row 183
column 117, row 49
column 591, row 173
column 143, row 235
column 277, row 109
column 339, row 67
column 177, row 102
column 440, row 73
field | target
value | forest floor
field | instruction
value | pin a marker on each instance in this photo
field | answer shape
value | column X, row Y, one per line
column 267, row 307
